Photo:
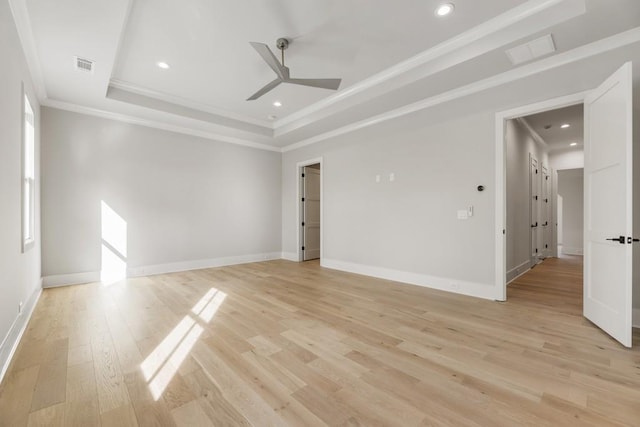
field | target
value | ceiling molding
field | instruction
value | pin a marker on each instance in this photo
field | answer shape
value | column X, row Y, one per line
column 172, row 99
column 499, row 23
column 155, row 124
column 535, row 135
column 549, row 63
column 25, row 33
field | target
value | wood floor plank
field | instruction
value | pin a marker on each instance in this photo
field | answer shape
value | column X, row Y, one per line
column 296, row 344
column 51, row 416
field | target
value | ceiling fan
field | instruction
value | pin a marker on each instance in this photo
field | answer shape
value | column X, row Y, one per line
column 282, row 72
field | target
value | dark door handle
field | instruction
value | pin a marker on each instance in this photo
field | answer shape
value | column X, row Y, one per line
column 534, row 226
column 631, row 240
column 620, row 239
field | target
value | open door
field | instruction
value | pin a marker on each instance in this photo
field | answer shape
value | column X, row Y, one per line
column 608, row 205
column 311, row 213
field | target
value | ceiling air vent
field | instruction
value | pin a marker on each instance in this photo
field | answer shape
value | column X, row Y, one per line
column 534, row 49
column 82, row 64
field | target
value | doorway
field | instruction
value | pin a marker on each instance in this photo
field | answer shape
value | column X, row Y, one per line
column 310, row 226
column 608, row 215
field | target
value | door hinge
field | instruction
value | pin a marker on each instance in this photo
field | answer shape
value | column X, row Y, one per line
column 546, row 246
column 504, row 231
column 536, row 197
column 536, row 171
column 546, row 178
column 546, row 200
column 303, row 248
column 303, row 175
column 303, row 224
column 536, row 250
column 303, row 199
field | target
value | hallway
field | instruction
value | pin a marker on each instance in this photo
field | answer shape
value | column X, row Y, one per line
column 555, row 283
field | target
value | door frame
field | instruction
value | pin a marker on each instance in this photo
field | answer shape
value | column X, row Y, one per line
column 299, row 168
column 501, row 182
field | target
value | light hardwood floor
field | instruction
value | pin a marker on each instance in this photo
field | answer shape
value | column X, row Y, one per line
column 281, row 343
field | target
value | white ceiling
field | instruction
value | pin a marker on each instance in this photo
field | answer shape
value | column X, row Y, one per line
column 549, row 126
column 389, row 55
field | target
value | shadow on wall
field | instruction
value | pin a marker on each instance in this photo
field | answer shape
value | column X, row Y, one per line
column 114, row 245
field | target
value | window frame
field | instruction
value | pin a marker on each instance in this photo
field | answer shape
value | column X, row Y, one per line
column 28, row 172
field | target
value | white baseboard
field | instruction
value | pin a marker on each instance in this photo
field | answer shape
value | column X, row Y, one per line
column 290, row 256
column 479, row 290
column 636, row 318
column 70, row 279
column 11, row 341
column 518, row 271
column 568, row 250
column 175, row 267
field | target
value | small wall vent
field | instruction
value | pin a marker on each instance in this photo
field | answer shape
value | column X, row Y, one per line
column 82, row 64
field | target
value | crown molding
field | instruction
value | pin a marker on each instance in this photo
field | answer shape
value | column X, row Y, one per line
column 500, row 23
column 535, row 135
column 183, row 102
column 25, row 33
column 126, row 118
column 583, row 52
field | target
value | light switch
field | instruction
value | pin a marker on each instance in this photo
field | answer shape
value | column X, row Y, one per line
column 463, row 214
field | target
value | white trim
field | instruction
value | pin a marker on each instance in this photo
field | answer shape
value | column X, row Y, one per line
column 12, row 339
column 567, row 250
column 578, row 54
column 299, row 166
column 25, row 33
column 500, row 178
column 636, row 317
column 506, row 20
column 473, row 289
column 290, row 256
column 70, row 279
column 75, row 108
column 183, row 102
column 174, row 267
column 518, row 271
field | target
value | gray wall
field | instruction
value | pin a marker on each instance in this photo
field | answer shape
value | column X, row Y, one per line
column 571, row 188
column 410, row 224
column 183, row 198
column 520, row 143
column 19, row 273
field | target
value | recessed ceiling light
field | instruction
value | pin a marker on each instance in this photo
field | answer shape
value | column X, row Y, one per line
column 573, row 144
column 277, row 104
column 163, row 65
column 566, row 125
column 445, row 9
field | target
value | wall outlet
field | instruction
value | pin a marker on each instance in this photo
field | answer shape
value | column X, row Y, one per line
column 20, row 308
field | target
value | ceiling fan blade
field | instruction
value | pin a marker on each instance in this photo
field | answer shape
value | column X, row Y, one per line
column 271, row 60
column 267, row 88
column 332, row 84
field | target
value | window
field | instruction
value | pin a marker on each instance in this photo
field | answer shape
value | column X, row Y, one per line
column 28, row 176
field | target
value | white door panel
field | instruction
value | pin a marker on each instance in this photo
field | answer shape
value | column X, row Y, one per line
column 311, row 213
column 608, row 206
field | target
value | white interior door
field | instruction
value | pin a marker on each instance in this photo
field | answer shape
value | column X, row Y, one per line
column 311, row 213
column 545, row 214
column 608, row 206
column 534, row 190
